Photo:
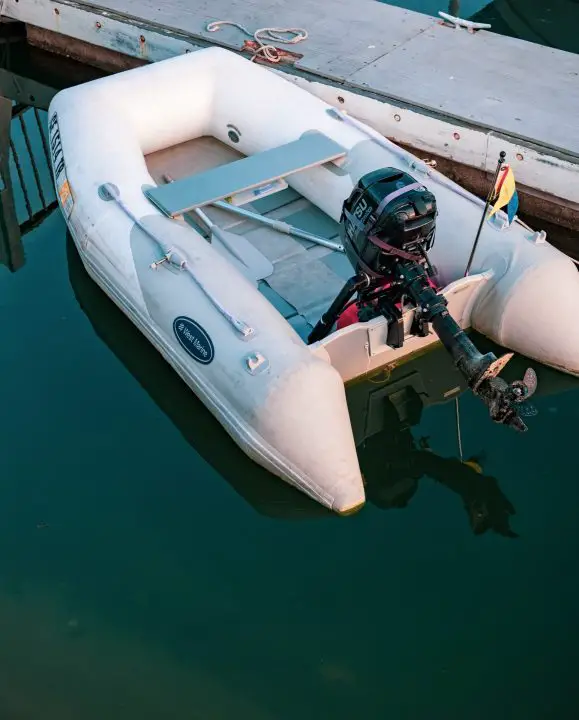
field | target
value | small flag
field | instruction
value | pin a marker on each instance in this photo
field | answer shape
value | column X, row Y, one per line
column 506, row 194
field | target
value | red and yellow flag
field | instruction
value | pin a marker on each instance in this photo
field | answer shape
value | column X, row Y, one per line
column 506, row 193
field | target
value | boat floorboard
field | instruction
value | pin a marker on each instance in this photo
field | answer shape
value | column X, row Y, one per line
column 306, row 275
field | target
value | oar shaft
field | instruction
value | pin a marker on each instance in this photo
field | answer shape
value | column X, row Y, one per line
column 279, row 225
column 269, row 222
column 205, row 219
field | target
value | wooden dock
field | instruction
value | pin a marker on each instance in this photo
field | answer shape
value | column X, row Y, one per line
column 453, row 96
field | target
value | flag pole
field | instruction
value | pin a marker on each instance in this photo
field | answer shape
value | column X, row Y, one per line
column 502, row 157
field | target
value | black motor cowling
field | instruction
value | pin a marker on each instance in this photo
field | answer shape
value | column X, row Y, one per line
column 387, row 208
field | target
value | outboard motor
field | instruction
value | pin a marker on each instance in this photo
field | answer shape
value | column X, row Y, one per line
column 388, row 226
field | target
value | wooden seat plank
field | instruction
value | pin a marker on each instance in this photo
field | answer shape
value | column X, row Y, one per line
column 203, row 188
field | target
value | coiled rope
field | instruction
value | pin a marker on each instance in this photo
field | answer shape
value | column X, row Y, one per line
column 264, row 37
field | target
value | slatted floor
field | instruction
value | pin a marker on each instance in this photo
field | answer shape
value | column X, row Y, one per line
column 306, row 276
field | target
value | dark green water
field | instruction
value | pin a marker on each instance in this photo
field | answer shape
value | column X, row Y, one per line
column 149, row 570
column 552, row 23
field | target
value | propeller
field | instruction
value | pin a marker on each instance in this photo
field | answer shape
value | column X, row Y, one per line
column 508, row 403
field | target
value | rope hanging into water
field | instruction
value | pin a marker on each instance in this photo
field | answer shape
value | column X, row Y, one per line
column 264, row 37
column 458, row 428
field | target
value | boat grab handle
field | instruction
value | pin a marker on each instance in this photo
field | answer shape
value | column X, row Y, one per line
column 109, row 191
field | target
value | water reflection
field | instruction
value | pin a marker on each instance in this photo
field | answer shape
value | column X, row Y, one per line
column 383, row 411
column 200, row 429
column 394, row 463
column 27, row 194
column 29, row 78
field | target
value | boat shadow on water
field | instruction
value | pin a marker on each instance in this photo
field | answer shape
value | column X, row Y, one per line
column 384, row 409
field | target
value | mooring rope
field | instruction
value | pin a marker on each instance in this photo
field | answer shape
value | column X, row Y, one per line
column 458, row 429
column 264, row 37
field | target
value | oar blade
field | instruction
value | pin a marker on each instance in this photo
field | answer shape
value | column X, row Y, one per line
column 257, row 264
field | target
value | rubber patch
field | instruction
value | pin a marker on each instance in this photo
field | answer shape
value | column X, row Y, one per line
column 194, row 339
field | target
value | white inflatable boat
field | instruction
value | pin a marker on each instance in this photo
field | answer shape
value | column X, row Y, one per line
column 232, row 316
column 384, row 412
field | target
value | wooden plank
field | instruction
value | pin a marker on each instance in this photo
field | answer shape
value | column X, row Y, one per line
column 468, row 153
column 483, row 79
column 505, row 84
column 201, row 189
column 436, row 89
column 360, row 32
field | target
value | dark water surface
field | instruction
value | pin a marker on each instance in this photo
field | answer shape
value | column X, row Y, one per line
column 553, row 23
column 150, row 570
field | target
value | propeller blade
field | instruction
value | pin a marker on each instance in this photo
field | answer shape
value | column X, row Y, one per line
column 508, row 402
column 530, row 381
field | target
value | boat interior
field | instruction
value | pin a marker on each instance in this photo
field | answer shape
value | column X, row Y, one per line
column 306, row 276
